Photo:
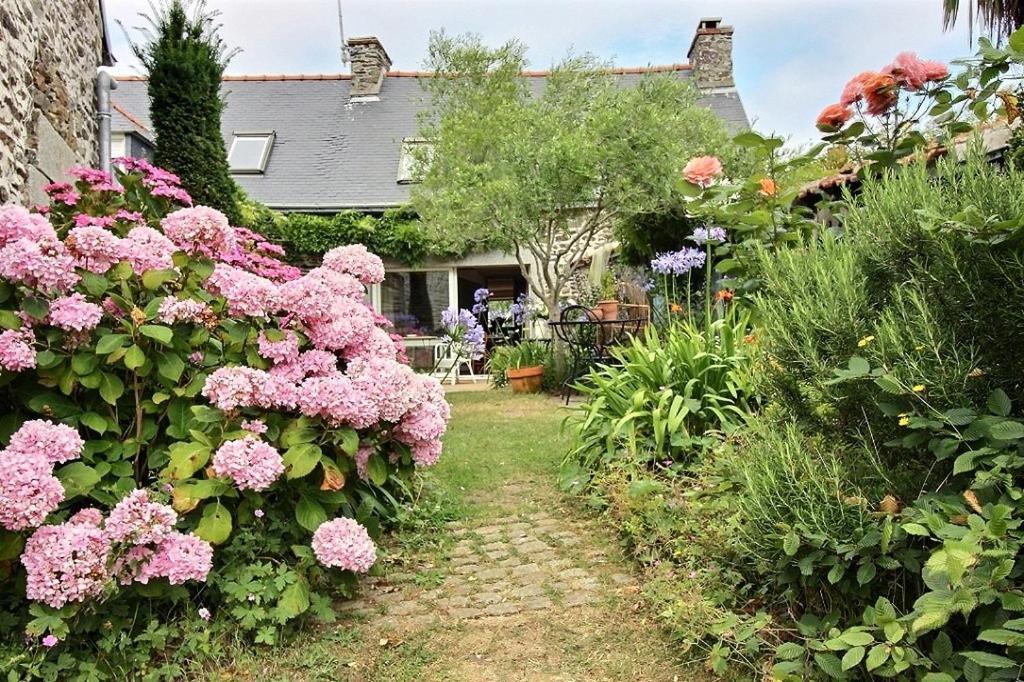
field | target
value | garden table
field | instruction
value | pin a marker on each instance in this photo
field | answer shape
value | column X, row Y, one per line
column 589, row 339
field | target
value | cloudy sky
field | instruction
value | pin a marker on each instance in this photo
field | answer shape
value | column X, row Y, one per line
column 791, row 56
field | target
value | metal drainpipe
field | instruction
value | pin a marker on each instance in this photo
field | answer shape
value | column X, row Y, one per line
column 104, row 84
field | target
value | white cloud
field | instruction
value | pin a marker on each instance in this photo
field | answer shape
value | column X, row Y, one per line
column 791, row 57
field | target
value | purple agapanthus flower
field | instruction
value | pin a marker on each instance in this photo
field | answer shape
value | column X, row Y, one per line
column 463, row 332
column 678, row 262
column 702, row 235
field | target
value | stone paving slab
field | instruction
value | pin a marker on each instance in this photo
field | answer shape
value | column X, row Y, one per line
column 500, row 567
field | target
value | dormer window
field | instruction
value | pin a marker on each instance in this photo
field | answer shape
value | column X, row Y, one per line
column 249, row 151
column 415, row 154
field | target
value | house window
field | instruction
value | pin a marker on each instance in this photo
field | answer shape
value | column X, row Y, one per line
column 249, row 152
column 415, row 153
column 413, row 301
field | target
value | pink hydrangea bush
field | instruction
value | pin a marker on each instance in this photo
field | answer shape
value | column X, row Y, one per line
column 172, row 370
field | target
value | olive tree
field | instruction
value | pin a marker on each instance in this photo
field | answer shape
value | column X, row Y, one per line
column 545, row 166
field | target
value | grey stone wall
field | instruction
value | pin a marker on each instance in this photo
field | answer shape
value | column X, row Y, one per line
column 710, row 55
column 369, row 64
column 49, row 52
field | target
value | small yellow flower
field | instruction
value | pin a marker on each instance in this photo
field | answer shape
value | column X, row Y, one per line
column 919, row 347
column 919, row 388
column 865, row 341
column 904, row 420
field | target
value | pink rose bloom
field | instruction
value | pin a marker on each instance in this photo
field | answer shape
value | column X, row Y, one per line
column 908, row 70
column 702, row 170
column 344, row 543
column 934, row 70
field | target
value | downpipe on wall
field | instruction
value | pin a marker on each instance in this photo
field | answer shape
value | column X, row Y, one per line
column 105, row 83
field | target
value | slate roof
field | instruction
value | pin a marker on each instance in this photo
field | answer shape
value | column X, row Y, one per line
column 329, row 153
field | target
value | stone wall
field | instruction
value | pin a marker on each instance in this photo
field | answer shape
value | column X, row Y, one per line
column 49, row 53
column 710, row 55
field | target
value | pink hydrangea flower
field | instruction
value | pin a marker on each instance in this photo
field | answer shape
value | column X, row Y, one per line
column 179, row 557
column 75, row 313
column 173, row 310
column 147, row 249
column 344, row 543
column 426, row 453
column 362, row 458
column 86, row 220
column 349, row 323
column 201, row 231
column 93, row 248
column 285, row 350
column 137, row 521
column 378, row 344
column 42, row 439
column 702, row 170
column 231, row 387
column 246, row 294
column 44, row 264
column 335, row 400
column 318, row 363
column 16, row 351
column 28, row 489
column 249, row 462
column 90, row 516
column 386, row 383
column 312, row 295
column 66, row 563
column 357, row 261
column 254, row 426
column 17, row 223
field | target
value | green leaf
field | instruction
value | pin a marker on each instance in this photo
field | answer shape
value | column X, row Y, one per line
column 158, row 333
column 294, row 600
column 866, row 573
column 77, row 478
column 988, row 660
column 829, row 664
column 186, row 458
column 377, row 469
column 300, row 459
column 349, row 440
column 1016, row 41
column 215, row 525
column 95, row 284
column 11, row 545
column 999, row 403
column 309, row 513
column 791, row 543
column 111, row 388
column 789, row 651
column 937, row 677
column 36, row 307
column 1008, row 430
column 859, row 365
column 915, row 529
column 134, row 358
column 94, row 421
column 853, row 657
column 170, row 366
column 857, row 638
column 154, row 279
column 110, row 342
column 9, row 320
column 877, row 656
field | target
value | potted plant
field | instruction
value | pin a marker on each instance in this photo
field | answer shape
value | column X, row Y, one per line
column 524, row 366
column 609, row 301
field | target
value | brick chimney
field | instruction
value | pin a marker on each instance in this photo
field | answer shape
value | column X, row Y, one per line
column 710, row 54
column 369, row 64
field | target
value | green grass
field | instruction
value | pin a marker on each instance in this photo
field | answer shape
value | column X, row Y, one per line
column 495, row 438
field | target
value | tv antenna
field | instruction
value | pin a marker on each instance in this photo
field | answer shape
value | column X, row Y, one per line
column 341, row 34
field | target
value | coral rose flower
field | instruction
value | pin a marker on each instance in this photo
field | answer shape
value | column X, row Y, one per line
column 934, row 70
column 702, row 170
column 854, row 89
column 834, row 116
column 724, row 295
column 768, row 187
column 881, row 92
column 908, row 70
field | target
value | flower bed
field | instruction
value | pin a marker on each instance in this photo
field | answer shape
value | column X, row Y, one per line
column 180, row 407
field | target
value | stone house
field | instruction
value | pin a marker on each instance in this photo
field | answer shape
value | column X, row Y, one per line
column 49, row 54
column 326, row 143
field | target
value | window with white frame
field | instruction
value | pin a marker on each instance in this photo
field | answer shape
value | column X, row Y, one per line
column 249, row 151
column 414, row 300
column 415, row 154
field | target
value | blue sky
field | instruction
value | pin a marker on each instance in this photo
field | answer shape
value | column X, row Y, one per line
column 791, row 57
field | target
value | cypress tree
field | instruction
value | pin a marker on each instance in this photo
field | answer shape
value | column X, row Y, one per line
column 185, row 60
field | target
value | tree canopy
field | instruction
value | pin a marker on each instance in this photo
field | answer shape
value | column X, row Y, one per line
column 185, row 59
column 546, row 165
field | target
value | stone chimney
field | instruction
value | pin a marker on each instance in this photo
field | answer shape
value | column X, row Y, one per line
column 369, row 64
column 710, row 55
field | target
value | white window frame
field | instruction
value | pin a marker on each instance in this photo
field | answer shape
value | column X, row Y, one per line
column 407, row 173
column 453, row 286
column 268, row 144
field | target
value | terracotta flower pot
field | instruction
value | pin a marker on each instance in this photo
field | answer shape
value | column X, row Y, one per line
column 609, row 309
column 525, row 379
